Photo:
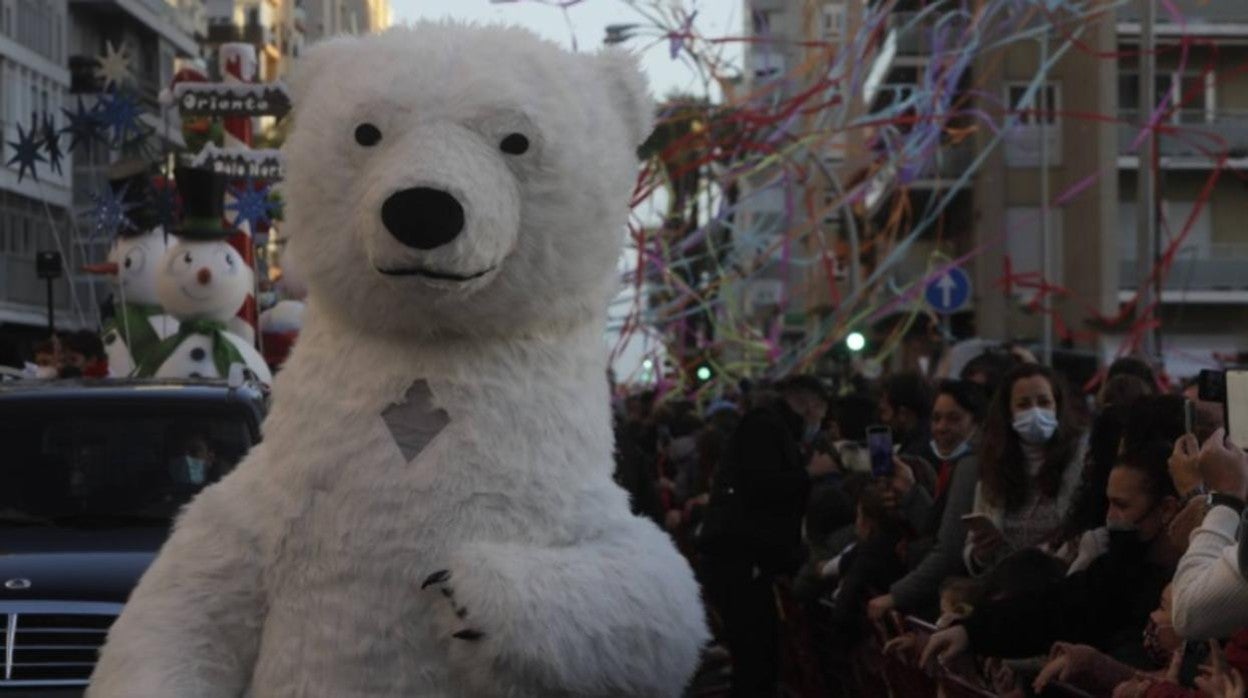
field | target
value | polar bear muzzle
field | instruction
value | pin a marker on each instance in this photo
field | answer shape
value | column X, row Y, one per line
column 423, row 218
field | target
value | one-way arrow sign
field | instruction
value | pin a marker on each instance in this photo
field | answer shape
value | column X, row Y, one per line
column 950, row 291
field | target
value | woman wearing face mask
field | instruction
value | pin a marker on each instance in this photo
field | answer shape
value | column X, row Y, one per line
column 956, row 414
column 1029, row 464
column 1107, row 605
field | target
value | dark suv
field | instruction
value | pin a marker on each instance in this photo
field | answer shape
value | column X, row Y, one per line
column 92, row 474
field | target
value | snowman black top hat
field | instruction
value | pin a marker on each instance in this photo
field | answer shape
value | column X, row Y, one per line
column 203, row 204
column 131, row 181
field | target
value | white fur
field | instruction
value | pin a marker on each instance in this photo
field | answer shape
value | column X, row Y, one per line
column 299, row 573
column 284, row 316
column 138, row 259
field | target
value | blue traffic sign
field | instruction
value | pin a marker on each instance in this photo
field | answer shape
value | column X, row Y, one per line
column 949, row 292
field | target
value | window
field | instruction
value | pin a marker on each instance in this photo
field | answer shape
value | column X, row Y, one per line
column 1192, row 96
column 1174, row 215
column 1043, row 107
column 766, row 64
column 1034, row 115
column 761, row 20
column 1024, row 243
column 833, row 21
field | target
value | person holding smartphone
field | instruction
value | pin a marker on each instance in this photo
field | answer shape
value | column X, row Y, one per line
column 1030, row 458
column 956, row 416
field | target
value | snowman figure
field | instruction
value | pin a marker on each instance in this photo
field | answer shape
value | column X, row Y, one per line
column 203, row 282
column 138, row 323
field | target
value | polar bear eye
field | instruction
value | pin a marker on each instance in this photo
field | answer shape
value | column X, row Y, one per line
column 514, row 144
column 367, row 134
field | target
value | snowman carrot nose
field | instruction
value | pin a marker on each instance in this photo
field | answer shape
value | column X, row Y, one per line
column 204, row 276
column 107, row 268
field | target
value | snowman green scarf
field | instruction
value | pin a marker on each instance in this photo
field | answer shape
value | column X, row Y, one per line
column 130, row 323
column 224, row 353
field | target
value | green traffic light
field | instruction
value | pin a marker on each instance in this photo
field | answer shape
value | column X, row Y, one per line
column 704, row 373
column 855, row 341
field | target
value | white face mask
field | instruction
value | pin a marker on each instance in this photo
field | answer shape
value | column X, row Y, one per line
column 957, row 452
column 1036, row 425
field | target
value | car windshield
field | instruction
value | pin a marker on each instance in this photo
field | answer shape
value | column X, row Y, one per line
column 90, row 465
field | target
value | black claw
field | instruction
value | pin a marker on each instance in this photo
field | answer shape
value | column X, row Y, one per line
column 436, row 578
column 469, row 634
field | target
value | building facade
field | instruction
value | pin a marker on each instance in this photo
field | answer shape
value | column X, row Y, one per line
column 1047, row 148
column 329, row 17
column 34, row 214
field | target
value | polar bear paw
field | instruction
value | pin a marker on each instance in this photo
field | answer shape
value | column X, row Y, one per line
column 440, row 582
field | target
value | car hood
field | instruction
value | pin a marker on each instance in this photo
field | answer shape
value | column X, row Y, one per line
column 48, row 564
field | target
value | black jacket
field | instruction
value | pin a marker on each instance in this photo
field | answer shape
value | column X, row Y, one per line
column 760, row 492
column 1105, row 606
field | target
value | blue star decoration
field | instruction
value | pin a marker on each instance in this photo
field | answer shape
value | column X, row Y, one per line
column 52, row 144
column 251, row 205
column 109, row 213
column 119, row 114
column 27, row 151
column 84, row 126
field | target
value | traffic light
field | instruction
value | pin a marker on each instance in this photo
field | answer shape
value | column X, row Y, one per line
column 855, row 342
column 703, row 372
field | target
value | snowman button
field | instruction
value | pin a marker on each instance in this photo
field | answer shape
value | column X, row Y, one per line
column 198, row 354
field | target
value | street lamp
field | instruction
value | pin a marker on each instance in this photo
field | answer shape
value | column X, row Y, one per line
column 855, row 342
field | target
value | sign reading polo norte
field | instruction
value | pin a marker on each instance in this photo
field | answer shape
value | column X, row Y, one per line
column 256, row 164
column 218, row 99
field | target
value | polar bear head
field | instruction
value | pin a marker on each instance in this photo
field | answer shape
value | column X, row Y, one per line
column 454, row 179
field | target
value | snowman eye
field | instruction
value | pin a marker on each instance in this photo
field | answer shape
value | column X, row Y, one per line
column 188, row 259
column 229, row 259
column 134, row 260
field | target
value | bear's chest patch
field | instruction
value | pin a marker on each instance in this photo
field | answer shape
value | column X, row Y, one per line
column 414, row 421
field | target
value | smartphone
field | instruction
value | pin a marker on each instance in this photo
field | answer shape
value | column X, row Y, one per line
column 1211, row 386
column 880, row 446
column 1237, row 405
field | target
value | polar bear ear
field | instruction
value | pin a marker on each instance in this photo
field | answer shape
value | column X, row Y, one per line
column 626, row 86
column 310, row 67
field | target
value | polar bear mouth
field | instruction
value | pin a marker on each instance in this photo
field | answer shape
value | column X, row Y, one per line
column 434, row 274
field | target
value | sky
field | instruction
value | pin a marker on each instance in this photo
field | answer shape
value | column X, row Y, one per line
column 587, row 20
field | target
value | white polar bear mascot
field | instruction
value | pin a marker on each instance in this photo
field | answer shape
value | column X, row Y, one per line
column 432, row 512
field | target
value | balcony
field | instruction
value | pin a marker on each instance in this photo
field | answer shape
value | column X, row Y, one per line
column 1200, row 16
column 254, row 34
column 177, row 21
column 1224, row 270
column 1200, row 138
column 914, row 37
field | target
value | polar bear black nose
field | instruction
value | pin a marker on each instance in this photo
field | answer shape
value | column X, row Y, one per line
column 423, row 218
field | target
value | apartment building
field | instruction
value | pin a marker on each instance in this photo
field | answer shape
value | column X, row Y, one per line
column 34, row 214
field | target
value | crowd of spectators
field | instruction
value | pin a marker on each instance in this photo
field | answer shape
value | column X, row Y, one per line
column 1027, row 538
